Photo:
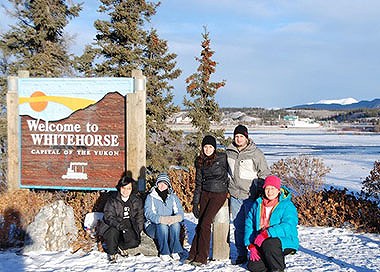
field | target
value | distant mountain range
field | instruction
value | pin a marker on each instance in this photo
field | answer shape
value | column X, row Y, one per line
column 341, row 105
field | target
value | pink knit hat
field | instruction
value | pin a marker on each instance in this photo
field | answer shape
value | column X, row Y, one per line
column 273, row 181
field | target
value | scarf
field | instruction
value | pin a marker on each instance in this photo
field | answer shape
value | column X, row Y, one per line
column 266, row 211
column 163, row 194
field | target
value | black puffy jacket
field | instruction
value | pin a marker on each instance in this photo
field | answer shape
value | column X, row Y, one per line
column 212, row 178
column 114, row 212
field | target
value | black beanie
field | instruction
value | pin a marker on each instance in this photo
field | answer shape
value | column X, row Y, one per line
column 240, row 129
column 210, row 140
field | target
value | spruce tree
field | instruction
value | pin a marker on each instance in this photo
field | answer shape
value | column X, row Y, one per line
column 37, row 42
column 123, row 43
column 163, row 145
column 202, row 108
column 3, row 120
column 120, row 40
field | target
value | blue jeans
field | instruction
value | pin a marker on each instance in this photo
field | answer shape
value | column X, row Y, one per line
column 167, row 237
column 239, row 210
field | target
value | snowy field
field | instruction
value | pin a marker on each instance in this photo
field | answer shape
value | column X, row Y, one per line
column 321, row 249
column 350, row 156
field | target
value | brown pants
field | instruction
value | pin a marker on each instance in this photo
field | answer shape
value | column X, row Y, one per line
column 210, row 203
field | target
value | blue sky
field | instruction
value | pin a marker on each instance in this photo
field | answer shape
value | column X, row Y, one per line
column 271, row 53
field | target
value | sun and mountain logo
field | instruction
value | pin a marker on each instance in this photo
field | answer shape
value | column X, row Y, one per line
column 51, row 107
column 38, row 101
column 53, row 99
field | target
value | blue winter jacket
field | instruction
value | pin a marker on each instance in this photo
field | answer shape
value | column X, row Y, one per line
column 154, row 206
column 282, row 223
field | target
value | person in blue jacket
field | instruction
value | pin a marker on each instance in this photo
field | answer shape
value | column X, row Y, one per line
column 271, row 228
column 163, row 213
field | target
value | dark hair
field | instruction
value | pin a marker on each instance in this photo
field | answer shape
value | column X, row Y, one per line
column 125, row 180
column 203, row 159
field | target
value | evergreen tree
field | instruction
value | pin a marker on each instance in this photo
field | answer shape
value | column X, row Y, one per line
column 120, row 40
column 159, row 67
column 123, row 43
column 3, row 121
column 203, row 109
column 37, row 42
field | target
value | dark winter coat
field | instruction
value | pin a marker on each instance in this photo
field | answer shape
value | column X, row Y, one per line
column 114, row 214
column 212, row 178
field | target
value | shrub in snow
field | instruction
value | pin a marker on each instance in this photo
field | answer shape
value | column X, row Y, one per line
column 338, row 208
column 301, row 174
column 371, row 185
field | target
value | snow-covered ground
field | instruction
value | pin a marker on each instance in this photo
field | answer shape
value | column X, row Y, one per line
column 321, row 249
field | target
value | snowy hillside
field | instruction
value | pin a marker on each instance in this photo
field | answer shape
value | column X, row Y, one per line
column 343, row 101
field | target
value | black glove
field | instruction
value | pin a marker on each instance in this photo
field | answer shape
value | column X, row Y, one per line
column 196, row 210
column 125, row 224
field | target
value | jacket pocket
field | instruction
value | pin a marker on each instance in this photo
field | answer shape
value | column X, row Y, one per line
column 246, row 170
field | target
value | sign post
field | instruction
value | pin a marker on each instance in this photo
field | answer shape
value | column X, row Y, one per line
column 136, row 131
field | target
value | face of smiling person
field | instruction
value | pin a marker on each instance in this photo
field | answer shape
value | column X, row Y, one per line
column 241, row 141
column 271, row 192
column 208, row 150
column 126, row 190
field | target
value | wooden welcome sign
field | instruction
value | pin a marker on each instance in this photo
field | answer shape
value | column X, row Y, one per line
column 73, row 132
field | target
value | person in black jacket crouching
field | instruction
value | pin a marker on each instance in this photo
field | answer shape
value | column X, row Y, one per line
column 211, row 186
column 123, row 220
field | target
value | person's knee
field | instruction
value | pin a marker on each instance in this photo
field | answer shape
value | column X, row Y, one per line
column 272, row 242
column 176, row 227
column 150, row 230
column 272, row 246
column 162, row 228
column 111, row 233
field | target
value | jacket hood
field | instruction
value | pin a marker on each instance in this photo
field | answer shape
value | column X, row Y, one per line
column 285, row 193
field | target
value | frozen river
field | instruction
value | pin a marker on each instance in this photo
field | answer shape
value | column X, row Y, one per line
column 349, row 155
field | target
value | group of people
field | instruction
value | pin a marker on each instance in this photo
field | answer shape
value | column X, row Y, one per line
column 126, row 216
column 261, row 211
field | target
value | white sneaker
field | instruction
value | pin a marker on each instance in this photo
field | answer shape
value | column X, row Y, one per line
column 165, row 258
column 176, row 257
